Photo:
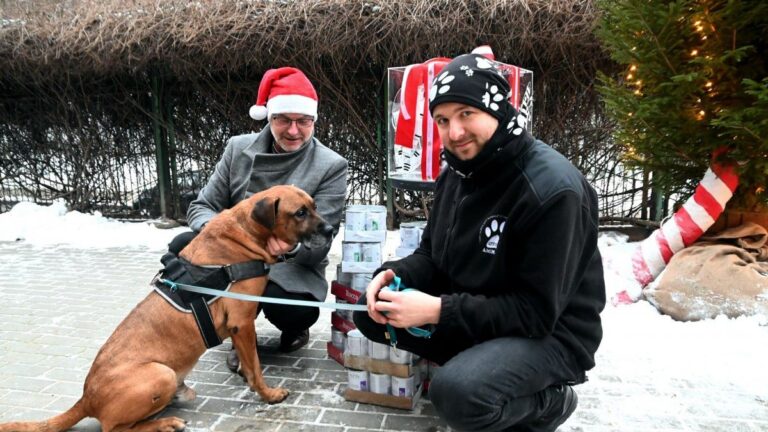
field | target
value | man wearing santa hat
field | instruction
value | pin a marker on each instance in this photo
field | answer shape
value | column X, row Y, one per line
column 284, row 153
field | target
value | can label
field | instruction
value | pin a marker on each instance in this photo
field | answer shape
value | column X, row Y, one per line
column 355, row 218
column 375, row 220
column 380, row 383
column 378, row 351
column 351, row 252
column 338, row 338
column 400, row 356
column 371, row 252
column 409, row 235
column 357, row 380
column 402, row 387
column 360, row 282
column 357, row 344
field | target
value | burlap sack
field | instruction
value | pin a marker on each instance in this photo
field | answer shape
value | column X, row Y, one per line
column 726, row 273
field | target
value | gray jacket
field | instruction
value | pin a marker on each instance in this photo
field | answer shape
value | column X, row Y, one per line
column 248, row 167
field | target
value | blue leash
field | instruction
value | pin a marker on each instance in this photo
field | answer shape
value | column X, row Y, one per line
column 247, row 297
column 396, row 285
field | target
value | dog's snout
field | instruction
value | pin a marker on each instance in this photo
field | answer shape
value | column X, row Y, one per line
column 325, row 229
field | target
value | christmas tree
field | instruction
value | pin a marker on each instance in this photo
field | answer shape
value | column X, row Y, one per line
column 693, row 84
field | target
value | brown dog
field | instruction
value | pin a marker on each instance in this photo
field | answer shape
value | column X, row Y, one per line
column 143, row 364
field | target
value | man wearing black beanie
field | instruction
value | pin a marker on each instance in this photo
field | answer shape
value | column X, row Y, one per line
column 508, row 273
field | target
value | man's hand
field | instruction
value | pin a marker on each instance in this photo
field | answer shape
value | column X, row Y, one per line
column 277, row 247
column 404, row 309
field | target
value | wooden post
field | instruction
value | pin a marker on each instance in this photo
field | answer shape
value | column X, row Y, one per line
column 161, row 150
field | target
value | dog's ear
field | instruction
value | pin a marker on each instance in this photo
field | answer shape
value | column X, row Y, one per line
column 265, row 211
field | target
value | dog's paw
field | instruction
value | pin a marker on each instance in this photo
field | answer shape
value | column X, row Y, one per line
column 170, row 424
column 184, row 394
column 274, row 395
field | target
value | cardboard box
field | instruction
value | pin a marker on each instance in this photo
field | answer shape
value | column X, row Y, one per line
column 340, row 323
column 365, row 236
column 406, row 403
column 379, row 366
column 335, row 353
column 359, row 267
column 345, row 293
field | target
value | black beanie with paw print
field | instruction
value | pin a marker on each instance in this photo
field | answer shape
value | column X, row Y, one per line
column 473, row 80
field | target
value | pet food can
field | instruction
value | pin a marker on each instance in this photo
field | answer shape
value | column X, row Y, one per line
column 378, row 351
column 400, row 356
column 344, row 278
column 409, row 235
column 357, row 344
column 357, row 380
column 402, row 387
column 376, row 218
column 371, row 252
column 355, row 218
column 337, row 338
column 344, row 313
column 351, row 252
column 380, row 383
column 360, row 282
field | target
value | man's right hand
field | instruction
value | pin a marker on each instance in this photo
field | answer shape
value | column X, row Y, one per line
column 372, row 292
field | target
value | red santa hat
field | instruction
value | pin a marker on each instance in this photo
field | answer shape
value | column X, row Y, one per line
column 284, row 90
column 485, row 51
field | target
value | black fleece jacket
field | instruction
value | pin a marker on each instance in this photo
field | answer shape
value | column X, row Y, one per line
column 512, row 251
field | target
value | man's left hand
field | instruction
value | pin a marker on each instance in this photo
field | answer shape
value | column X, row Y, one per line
column 409, row 309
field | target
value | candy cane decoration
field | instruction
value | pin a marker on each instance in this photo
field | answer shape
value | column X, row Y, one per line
column 685, row 227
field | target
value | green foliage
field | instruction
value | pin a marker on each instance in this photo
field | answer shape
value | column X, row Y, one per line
column 695, row 80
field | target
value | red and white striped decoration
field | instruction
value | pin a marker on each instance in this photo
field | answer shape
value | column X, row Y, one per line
column 686, row 225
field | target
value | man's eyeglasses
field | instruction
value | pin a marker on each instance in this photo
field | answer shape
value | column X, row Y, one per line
column 283, row 121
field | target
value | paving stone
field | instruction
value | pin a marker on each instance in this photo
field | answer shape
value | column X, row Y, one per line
column 303, row 427
column 354, row 419
column 235, row 424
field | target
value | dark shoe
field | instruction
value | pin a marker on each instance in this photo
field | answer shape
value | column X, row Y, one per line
column 560, row 403
column 290, row 341
column 233, row 361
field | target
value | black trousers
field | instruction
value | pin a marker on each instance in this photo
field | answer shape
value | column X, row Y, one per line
column 496, row 385
column 291, row 319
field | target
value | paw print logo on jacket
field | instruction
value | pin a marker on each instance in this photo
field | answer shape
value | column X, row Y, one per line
column 490, row 233
column 440, row 85
column 492, row 96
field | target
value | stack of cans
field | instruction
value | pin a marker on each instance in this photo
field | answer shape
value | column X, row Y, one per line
column 410, row 237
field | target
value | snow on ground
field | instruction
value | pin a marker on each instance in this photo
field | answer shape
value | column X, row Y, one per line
column 638, row 341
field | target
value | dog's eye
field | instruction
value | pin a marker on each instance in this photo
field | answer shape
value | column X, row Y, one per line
column 301, row 213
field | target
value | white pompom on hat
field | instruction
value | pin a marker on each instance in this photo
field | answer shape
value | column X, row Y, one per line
column 485, row 51
column 284, row 90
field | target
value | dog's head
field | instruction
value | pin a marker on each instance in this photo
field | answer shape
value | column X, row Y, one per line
column 291, row 215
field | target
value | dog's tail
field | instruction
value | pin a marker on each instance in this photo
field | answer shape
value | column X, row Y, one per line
column 59, row 423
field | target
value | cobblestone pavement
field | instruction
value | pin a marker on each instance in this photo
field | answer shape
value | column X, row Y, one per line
column 58, row 306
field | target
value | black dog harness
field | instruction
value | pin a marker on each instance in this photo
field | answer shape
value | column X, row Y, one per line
column 216, row 277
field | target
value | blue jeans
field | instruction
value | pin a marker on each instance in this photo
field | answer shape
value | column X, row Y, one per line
column 494, row 385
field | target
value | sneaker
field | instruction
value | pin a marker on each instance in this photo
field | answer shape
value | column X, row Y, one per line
column 290, row 341
column 562, row 401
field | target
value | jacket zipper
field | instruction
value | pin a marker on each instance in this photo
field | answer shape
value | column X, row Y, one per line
column 452, row 225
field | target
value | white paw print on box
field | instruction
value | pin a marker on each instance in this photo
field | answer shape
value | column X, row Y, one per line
column 440, row 85
column 492, row 96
